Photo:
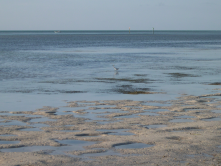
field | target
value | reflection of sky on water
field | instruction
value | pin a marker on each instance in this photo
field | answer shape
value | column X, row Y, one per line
column 72, row 145
column 154, row 126
column 147, row 65
column 212, row 119
column 116, row 131
column 9, row 142
column 14, row 123
column 217, row 111
column 181, row 120
column 133, row 145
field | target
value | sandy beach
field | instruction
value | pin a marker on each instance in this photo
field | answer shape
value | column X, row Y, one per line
column 185, row 131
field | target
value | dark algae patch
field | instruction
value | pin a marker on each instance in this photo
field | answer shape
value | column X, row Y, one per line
column 129, row 89
column 185, row 68
column 137, row 92
column 175, row 138
column 181, row 75
column 63, row 91
column 215, row 83
column 140, row 75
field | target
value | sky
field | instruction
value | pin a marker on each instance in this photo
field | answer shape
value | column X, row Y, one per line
column 110, row 14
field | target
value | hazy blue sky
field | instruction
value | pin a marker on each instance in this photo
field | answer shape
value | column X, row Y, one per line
column 110, row 14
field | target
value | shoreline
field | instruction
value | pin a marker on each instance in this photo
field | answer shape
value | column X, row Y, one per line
column 185, row 131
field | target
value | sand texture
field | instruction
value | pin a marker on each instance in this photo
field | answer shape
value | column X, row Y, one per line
column 185, row 131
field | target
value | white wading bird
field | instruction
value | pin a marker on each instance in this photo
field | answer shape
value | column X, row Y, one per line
column 115, row 68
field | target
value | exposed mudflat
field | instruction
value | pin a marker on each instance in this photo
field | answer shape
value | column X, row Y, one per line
column 186, row 131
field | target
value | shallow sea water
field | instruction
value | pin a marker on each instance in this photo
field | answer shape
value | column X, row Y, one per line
column 69, row 145
column 41, row 68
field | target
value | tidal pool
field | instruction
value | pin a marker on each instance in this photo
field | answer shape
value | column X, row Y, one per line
column 72, row 145
column 133, row 146
column 7, row 135
column 13, row 123
column 181, row 120
column 31, row 129
column 185, row 116
column 116, row 131
column 212, row 119
column 154, row 126
column 9, row 142
column 217, row 111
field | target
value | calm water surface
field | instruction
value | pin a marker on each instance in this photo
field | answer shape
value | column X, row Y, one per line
column 39, row 68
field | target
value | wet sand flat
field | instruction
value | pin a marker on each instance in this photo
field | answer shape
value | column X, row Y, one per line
column 185, row 131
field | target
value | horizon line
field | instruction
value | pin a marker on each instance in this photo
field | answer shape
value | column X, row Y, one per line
column 109, row 30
